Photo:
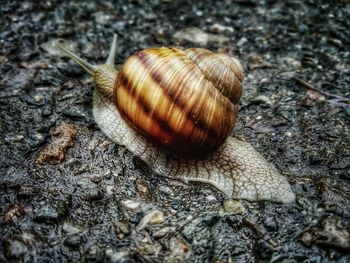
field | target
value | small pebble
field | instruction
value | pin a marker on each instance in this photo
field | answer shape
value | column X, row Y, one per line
column 38, row 136
column 315, row 96
column 89, row 191
column 143, row 189
column 14, row 249
column 264, row 81
column 241, row 42
column 179, row 249
column 330, row 232
column 109, row 252
column 120, row 257
column 166, row 190
column 130, row 204
column 70, row 229
column 233, row 207
column 122, row 229
column 15, row 138
column 262, row 100
column 145, row 240
column 294, row 63
column 211, row 198
column 197, row 36
column 85, row 167
column 50, row 212
column 38, row 98
column 93, row 144
column 14, row 213
column 218, row 28
column 153, row 218
column 74, row 240
column 270, row 223
column 163, row 231
column 288, row 134
column 102, row 18
column 109, row 189
column 105, row 144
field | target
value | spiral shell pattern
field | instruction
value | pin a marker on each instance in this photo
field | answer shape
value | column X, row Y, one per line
column 185, row 101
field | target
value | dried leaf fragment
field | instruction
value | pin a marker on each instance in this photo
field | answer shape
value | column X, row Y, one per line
column 13, row 213
column 62, row 138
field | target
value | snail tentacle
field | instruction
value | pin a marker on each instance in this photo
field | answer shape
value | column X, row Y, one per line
column 112, row 51
column 103, row 75
column 82, row 62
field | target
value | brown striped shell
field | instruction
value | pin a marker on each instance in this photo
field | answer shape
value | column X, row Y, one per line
column 185, row 101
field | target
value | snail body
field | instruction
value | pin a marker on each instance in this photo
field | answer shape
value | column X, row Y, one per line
column 175, row 110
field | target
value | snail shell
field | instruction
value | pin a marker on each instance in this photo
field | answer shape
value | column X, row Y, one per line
column 185, row 101
column 233, row 167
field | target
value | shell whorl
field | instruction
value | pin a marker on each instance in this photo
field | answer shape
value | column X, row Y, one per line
column 224, row 71
column 171, row 96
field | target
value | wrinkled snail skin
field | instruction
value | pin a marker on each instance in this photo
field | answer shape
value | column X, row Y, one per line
column 231, row 165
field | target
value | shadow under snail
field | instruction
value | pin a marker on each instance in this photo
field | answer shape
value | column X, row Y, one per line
column 175, row 110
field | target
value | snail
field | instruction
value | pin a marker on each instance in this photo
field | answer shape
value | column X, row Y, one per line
column 176, row 110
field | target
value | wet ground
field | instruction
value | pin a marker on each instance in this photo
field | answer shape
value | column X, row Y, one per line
column 69, row 194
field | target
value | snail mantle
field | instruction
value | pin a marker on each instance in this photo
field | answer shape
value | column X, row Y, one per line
column 169, row 106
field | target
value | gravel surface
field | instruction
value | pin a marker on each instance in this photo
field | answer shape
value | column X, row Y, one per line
column 69, row 194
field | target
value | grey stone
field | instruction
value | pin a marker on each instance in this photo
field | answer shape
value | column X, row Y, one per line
column 120, row 257
column 14, row 249
column 197, row 36
column 50, row 212
column 330, row 232
column 88, row 190
column 262, row 100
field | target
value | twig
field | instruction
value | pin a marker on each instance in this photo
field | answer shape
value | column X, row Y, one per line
column 325, row 93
